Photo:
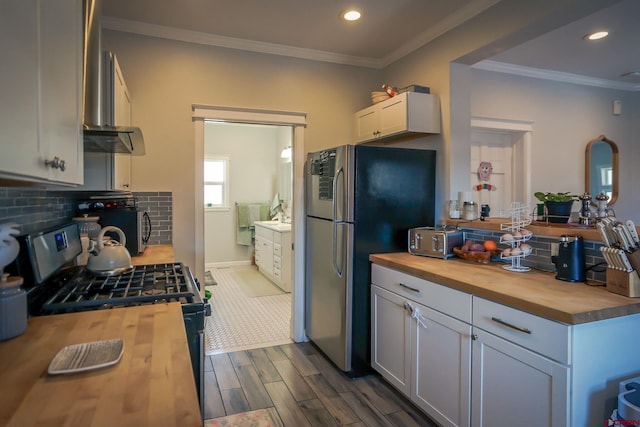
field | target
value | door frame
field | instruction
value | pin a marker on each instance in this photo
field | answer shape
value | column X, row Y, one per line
column 521, row 149
column 298, row 121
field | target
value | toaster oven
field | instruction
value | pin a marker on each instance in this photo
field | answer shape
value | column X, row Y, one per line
column 434, row 242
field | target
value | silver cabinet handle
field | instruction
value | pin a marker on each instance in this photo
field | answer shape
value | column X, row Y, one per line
column 509, row 325
column 409, row 288
column 56, row 163
column 408, row 307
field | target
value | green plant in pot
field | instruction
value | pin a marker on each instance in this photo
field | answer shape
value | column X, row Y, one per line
column 558, row 205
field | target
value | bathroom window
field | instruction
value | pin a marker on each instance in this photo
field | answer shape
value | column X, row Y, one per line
column 216, row 182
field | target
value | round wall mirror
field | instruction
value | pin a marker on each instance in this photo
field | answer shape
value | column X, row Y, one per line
column 601, row 168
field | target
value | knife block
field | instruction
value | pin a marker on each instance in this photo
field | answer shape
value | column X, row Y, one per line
column 623, row 283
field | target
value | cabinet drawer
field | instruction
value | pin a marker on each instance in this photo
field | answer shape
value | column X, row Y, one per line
column 277, row 262
column 264, row 232
column 277, row 237
column 277, row 272
column 543, row 336
column 446, row 300
column 277, row 249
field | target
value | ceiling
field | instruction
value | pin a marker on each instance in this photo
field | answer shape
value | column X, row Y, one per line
column 388, row 30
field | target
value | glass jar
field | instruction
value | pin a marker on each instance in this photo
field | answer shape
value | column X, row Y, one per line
column 470, row 211
column 88, row 225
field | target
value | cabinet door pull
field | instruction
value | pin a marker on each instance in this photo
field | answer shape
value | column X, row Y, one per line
column 408, row 307
column 409, row 288
column 509, row 325
column 56, row 163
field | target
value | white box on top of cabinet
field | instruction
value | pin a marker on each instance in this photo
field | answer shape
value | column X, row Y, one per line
column 469, row 361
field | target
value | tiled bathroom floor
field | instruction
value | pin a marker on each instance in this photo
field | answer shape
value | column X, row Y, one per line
column 238, row 322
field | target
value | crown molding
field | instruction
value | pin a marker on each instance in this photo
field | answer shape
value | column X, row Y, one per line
column 537, row 73
column 160, row 31
column 450, row 22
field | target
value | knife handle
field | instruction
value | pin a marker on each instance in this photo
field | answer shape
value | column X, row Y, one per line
column 632, row 230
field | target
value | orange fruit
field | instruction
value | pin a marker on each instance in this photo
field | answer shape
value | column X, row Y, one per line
column 490, row 245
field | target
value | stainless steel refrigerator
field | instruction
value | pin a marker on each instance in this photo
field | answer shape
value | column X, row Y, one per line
column 359, row 200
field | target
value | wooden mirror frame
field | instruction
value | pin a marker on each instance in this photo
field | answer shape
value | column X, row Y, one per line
column 587, row 169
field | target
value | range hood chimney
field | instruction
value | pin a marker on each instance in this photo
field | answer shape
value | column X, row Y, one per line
column 100, row 136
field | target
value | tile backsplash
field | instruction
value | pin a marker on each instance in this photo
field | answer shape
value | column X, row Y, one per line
column 35, row 210
column 159, row 205
column 540, row 258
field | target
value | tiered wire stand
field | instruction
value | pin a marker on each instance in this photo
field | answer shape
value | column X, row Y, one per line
column 520, row 217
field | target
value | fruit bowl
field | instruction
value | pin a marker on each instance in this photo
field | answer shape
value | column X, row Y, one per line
column 474, row 256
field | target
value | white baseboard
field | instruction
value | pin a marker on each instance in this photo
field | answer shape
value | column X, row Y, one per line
column 223, row 264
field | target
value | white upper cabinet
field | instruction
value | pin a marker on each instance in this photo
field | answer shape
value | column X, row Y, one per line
column 407, row 112
column 41, row 91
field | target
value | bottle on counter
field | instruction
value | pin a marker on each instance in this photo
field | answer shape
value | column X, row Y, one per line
column 391, row 91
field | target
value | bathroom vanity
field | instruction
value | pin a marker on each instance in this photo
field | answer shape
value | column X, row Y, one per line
column 273, row 252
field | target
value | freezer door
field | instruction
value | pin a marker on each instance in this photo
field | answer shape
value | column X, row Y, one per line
column 329, row 183
column 328, row 288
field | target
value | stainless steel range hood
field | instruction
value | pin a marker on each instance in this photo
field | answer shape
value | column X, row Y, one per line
column 100, row 134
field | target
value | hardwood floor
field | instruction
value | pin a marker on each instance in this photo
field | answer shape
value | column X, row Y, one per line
column 302, row 388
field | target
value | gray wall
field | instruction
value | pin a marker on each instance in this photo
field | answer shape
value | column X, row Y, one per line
column 565, row 118
column 166, row 77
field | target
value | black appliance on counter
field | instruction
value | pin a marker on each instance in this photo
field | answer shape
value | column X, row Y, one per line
column 121, row 212
column 55, row 286
column 570, row 261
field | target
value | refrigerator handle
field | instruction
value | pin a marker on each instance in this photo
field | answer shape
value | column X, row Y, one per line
column 335, row 249
column 335, row 194
column 335, row 222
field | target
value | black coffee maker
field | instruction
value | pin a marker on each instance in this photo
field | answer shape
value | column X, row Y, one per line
column 570, row 261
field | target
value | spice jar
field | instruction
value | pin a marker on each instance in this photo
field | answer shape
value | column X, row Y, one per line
column 470, row 211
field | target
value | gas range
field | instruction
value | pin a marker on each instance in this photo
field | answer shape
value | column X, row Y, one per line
column 55, row 286
column 145, row 284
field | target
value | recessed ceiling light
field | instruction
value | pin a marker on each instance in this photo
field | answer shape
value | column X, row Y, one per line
column 351, row 15
column 597, row 35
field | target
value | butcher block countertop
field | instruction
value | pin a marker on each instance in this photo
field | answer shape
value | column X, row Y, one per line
column 155, row 254
column 151, row 385
column 535, row 292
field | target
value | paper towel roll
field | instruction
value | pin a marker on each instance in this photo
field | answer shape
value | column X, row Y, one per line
column 464, row 196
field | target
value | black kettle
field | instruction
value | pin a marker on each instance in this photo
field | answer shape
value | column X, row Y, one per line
column 570, row 261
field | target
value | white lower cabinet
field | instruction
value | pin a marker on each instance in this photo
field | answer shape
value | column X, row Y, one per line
column 513, row 386
column 391, row 338
column 422, row 352
column 441, row 368
column 273, row 255
column 520, row 368
column 469, row 361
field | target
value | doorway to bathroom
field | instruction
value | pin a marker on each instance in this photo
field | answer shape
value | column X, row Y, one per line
column 296, row 121
column 248, row 182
